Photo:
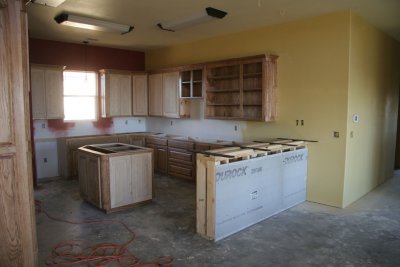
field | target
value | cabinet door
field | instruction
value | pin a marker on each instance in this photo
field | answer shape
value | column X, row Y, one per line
column 156, row 95
column 93, row 181
column 120, row 181
column 125, row 95
column 171, row 94
column 162, row 159
column 113, row 93
column 38, row 93
column 54, row 93
column 139, row 95
column 82, row 174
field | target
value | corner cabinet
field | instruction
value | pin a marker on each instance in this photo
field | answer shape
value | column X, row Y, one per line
column 164, row 97
column 47, row 92
column 242, row 89
column 116, row 93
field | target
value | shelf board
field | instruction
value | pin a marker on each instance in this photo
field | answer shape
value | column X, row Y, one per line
column 224, row 77
column 223, row 91
column 185, row 82
column 252, row 105
column 199, row 81
column 248, row 90
column 227, row 105
column 252, row 74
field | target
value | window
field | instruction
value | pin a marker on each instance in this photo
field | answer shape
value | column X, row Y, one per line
column 80, row 95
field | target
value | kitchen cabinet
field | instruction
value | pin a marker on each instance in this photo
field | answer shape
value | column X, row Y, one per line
column 89, row 183
column 242, row 89
column 156, row 94
column 67, row 149
column 139, row 95
column 164, row 97
column 116, row 93
column 181, row 159
column 191, row 83
column 160, row 147
column 115, row 176
column 171, row 94
column 47, row 92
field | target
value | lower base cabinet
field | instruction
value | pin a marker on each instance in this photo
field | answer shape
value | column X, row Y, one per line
column 116, row 181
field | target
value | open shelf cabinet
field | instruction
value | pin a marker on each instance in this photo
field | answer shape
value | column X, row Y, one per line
column 191, row 83
column 242, row 89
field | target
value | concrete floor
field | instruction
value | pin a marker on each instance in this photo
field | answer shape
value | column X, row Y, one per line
column 366, row 233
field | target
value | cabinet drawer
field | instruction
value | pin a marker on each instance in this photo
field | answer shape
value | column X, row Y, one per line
column 157, row 141
column 180, row 155
column 181, row 144
column 180, row 171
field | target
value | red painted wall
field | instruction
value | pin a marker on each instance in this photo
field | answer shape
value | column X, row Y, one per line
column 84, row 57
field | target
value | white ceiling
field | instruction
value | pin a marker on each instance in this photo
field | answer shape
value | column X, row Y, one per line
column 242, row 15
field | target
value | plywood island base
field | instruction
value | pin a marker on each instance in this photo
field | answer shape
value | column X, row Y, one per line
column 115, row 176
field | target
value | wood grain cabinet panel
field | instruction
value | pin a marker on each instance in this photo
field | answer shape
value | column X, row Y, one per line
column 171, row 94
column 156, row 95
column 139, row 95
column 47, row 92
column 116, row 93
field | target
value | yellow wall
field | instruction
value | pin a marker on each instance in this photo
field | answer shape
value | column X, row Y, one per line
column 313, row 81
column 373, row 95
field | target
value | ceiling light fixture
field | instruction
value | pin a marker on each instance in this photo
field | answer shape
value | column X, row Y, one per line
column 92, row 24
column 208, row 14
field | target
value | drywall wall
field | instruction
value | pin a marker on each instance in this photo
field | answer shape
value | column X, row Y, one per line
column 312, row 85
column 373, row 97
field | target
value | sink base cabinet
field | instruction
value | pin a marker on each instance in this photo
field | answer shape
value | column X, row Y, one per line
column 116, row 182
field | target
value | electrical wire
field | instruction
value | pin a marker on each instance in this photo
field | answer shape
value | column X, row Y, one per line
column 71, row 252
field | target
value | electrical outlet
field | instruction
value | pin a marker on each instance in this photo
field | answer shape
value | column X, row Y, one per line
column 126, row 122
column 45, row 160
column 43, row 125
column 302, row 122
column 235, row 127
column 297, row 122
column 351, row 134
column 336, row 134
column 172, row 123
column 140, row 121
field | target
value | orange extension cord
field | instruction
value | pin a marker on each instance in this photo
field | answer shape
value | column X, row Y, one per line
column 100, row 255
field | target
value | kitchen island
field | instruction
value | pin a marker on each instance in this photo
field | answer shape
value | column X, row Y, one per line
column 115, row 176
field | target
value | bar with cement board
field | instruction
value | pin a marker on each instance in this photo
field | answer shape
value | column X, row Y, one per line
column 240, row 186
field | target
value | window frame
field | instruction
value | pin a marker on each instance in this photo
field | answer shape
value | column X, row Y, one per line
column 95, row 96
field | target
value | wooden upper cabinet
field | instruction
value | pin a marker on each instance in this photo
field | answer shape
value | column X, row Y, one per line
column 116, row 93
column 156, row 94
column 139, row 95
column 171, row 94
column 47, row 92
column 164, row 97
column 242, row 89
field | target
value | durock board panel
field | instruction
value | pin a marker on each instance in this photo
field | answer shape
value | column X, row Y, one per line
column 249, row 191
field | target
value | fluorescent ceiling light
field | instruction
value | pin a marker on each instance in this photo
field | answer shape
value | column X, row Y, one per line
column 92, row 24
column 208, row 14
column 52, row 3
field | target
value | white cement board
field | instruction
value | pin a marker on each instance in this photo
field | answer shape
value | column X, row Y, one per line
column 249, row 191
